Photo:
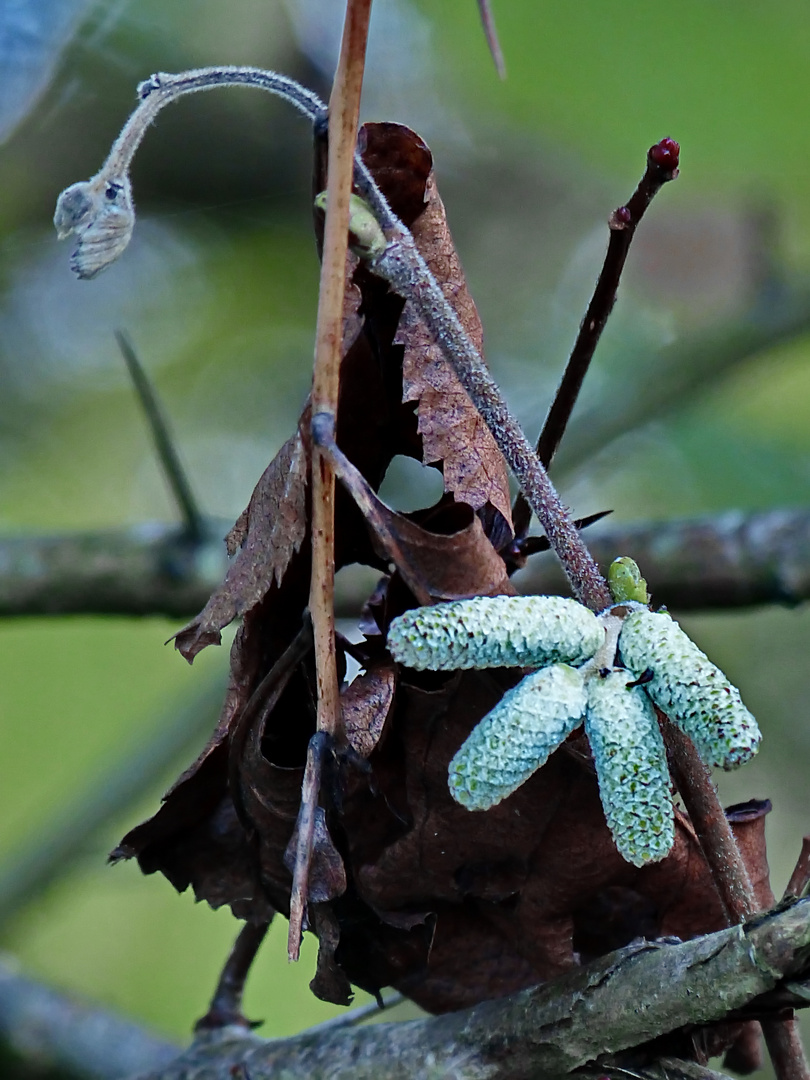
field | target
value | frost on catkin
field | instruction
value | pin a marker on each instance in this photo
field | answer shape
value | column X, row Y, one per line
column 492, row 632
column 517, row 736
column 688, row 687
column 631, row 766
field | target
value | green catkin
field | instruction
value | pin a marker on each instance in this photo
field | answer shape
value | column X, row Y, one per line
column 688, row 687
column 517, row 736
column 631, row 766
column 492, row 632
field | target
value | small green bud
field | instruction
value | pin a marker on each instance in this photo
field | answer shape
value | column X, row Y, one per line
column 626, row 582
column 493, row 632
column 517, row 736
column 688, row 687
column 369, row 238
column 631, row 767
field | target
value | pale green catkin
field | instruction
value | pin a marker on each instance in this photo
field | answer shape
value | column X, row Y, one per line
column 631, row 766
column 517, row 736
column 492, row 632
column 690, row 689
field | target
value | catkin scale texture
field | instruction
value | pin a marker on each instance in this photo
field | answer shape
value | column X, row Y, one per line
column 631, row 766
column 517, row 736
column 492, row 632
column 690, row 689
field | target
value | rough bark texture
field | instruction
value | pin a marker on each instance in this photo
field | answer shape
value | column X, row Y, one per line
column 619, row 1002
column 734, row 559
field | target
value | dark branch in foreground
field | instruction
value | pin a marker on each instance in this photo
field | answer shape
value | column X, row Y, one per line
column 618, row 1003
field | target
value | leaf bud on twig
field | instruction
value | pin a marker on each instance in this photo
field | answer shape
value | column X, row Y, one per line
column 626, row 583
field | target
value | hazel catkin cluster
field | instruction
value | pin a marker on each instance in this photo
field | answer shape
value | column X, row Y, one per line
column 575, row 685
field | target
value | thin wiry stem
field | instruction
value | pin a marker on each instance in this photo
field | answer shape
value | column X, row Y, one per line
column 491, row 34
column 162, row 88
column 173, row 470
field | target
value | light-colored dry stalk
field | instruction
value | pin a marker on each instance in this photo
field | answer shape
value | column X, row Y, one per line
column 344, row 111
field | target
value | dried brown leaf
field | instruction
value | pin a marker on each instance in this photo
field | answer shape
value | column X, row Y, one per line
column 452, row 429
column 327, row 875
column 365, row 704
column 270, row 531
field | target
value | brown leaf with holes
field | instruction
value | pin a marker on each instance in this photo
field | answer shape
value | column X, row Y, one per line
column 450, row 560
column 451, row 427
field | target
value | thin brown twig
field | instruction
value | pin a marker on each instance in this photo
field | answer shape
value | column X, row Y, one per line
column 693, row 781
column 800, row 878
column 226, row 1004
column 662, row 166
column 344, row 111
column 303, row 847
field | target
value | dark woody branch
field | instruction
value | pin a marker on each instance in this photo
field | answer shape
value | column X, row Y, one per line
column 618, row 1003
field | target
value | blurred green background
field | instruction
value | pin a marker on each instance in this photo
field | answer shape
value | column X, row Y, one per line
column 218, row 292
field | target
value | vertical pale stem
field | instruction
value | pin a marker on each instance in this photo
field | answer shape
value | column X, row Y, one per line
column 344, row 111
